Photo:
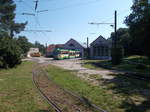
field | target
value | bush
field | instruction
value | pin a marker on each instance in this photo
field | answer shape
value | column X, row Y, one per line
column 9, row 52
column 141, row 66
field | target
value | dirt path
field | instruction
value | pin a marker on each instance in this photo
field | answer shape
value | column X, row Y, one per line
column 76, row 65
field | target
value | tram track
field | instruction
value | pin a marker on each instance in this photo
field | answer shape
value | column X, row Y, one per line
column 56, row 108
column 59, row 98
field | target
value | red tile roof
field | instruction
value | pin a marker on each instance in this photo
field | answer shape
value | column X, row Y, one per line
column 51, row 47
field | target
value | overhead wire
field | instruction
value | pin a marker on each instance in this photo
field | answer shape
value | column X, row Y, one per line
column 107, row 20
column 36, row 21
column 68, row 6
column 38, row 25
column 74, row 5
column 120, row 13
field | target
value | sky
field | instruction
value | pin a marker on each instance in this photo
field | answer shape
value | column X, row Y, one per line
column 70, row 19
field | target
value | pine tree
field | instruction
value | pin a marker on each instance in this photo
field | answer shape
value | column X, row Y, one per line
column 10, row 52
column 7, row 18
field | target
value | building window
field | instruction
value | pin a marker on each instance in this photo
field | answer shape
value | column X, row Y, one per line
column 95, row 51
column 106, row 51
column 100, row 51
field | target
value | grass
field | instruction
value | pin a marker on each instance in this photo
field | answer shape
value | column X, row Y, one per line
column 97, row 95
column 136, row 93
column 95, row 76
column 17, row 92
column 128, row 64
column 88, row 64
column 138, row 59
column 118, row 95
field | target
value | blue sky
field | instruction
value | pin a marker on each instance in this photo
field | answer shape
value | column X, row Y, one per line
column 69, row 19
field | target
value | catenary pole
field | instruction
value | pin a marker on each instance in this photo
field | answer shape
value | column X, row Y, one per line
column 115, row 28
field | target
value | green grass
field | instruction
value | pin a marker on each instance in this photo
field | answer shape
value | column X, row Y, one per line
column 95, row 76
column 17, row 92
column 138, row 59
column 136, row 92
column 93, row 64
column 128, row 64
column 88, row 64
column 118, row 95
column 97, row 95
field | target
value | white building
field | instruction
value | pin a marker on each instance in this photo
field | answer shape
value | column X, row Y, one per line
column 73, row 45
column 31, row 51
column 100, row 49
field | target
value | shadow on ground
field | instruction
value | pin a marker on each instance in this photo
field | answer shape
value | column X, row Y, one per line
column 100, row 64
column 136, row 92
column 125, row 66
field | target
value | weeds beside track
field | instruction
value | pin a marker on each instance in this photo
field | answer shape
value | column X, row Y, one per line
column 61, row 100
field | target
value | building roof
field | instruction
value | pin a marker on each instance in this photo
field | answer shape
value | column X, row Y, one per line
column 51, row 47
column 83, row 45
column 100, row 40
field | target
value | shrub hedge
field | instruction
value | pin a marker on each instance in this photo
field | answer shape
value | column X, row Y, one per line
column 10, row 52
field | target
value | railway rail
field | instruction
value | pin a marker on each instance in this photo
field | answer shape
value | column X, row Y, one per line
column 59, row 98
column 56, row 108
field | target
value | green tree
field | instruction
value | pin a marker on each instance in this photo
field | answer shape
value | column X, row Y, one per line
column 24, row 44
column 40, row 46
column 7, row 18
column 123, row 39
column 139, row 25
column 10, row 52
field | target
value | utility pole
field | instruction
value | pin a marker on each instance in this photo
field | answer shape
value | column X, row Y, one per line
column 116, row 51
column 87, row 42
column 115, row 27
column 88, row 50
column 46, row 49
column 36, row 4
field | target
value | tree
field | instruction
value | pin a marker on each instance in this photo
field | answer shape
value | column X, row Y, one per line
column 10, row 52
column 40, row 46
column 139, row 25
column 7, row 16
column 123, row 39
column 24, row 44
